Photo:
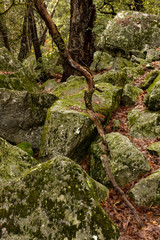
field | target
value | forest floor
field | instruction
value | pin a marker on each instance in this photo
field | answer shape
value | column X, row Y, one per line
column 120, row 214
column 117, row 210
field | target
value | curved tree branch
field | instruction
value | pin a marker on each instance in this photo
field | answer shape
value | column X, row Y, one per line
column 5, row 11
column 57, row 38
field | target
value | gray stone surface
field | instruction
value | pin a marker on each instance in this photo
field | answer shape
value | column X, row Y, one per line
column 126, row 161
column 14, row 162
column 130, row 30
column 149, row 79
column 68, row 128
column 130, row 95
column 55, row 200
column 144, row 123
column 147, row 191
column 22, row 115
column 152, row 98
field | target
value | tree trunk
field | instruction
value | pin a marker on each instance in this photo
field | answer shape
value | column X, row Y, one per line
column 138, row 5
column 25, row 40
column 4, row 35
column 81, row 39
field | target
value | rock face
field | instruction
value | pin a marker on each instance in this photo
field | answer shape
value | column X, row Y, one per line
column 149, row 79
column 144, row 123
column 23, row 115
column 68, row 128
column 154, row 148
column 114, row 77
column 126, row 163
column 152, row 98
column 130, row 95
column 14, row 162
column 55, row 200
column 147, row 191
column 130, row 30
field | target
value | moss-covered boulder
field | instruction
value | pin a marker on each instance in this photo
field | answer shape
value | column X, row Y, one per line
column 154, row 148
column 130, row 30
column 14, row 162
column 101, row 61
column 73, row 85
column 118, row 78
column 130, row 94
column 144, row 123
column 120, row 63
column 152, row 98
column 147, row 191
column 153, row 55
column 55, row 200
column 149, row 79
column 49, row 85
column 126, row 161
column 68, row 128
column 23, row 115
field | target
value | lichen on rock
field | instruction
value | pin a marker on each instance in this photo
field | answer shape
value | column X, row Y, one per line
column 126, row 161
column 55, row 200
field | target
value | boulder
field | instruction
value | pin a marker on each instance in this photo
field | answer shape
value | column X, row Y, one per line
column 68, row 128
column 49, row 85
column 130, row 95
column 154, row 148
column 120, row 63
column 118, row 78
column 130, row 30
column 144, row 123
column 101, row 61
column 55, row 200
column 73, row 85
column 153, row 55
column 14, row 162
column 23, row 115
column 147, row 191
column 149, row 79
column 126, row 161
column 152, row 98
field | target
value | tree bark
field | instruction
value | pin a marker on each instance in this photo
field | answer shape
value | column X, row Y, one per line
column 81, row 38
column 4, row 35
column 138, row 5
column 25, row 40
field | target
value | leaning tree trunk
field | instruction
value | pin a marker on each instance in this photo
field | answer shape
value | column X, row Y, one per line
column 81, row 39
column 58, row 40
column 4, row 35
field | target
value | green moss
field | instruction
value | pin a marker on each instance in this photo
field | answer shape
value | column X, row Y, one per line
column 55, row 193
column 25, row 146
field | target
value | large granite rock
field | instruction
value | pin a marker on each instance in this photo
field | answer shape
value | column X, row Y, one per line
column 118, row 78
column 126, row 161
column 154, row 148
column 23, row 115
column 130, row 95
column 130, row 30
column 149, row 79
column 68, row 128
column 152, row 98
column 147, row 191
column 14, row 162
column 55, row 200
column 101, row 61
column 144, row 123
